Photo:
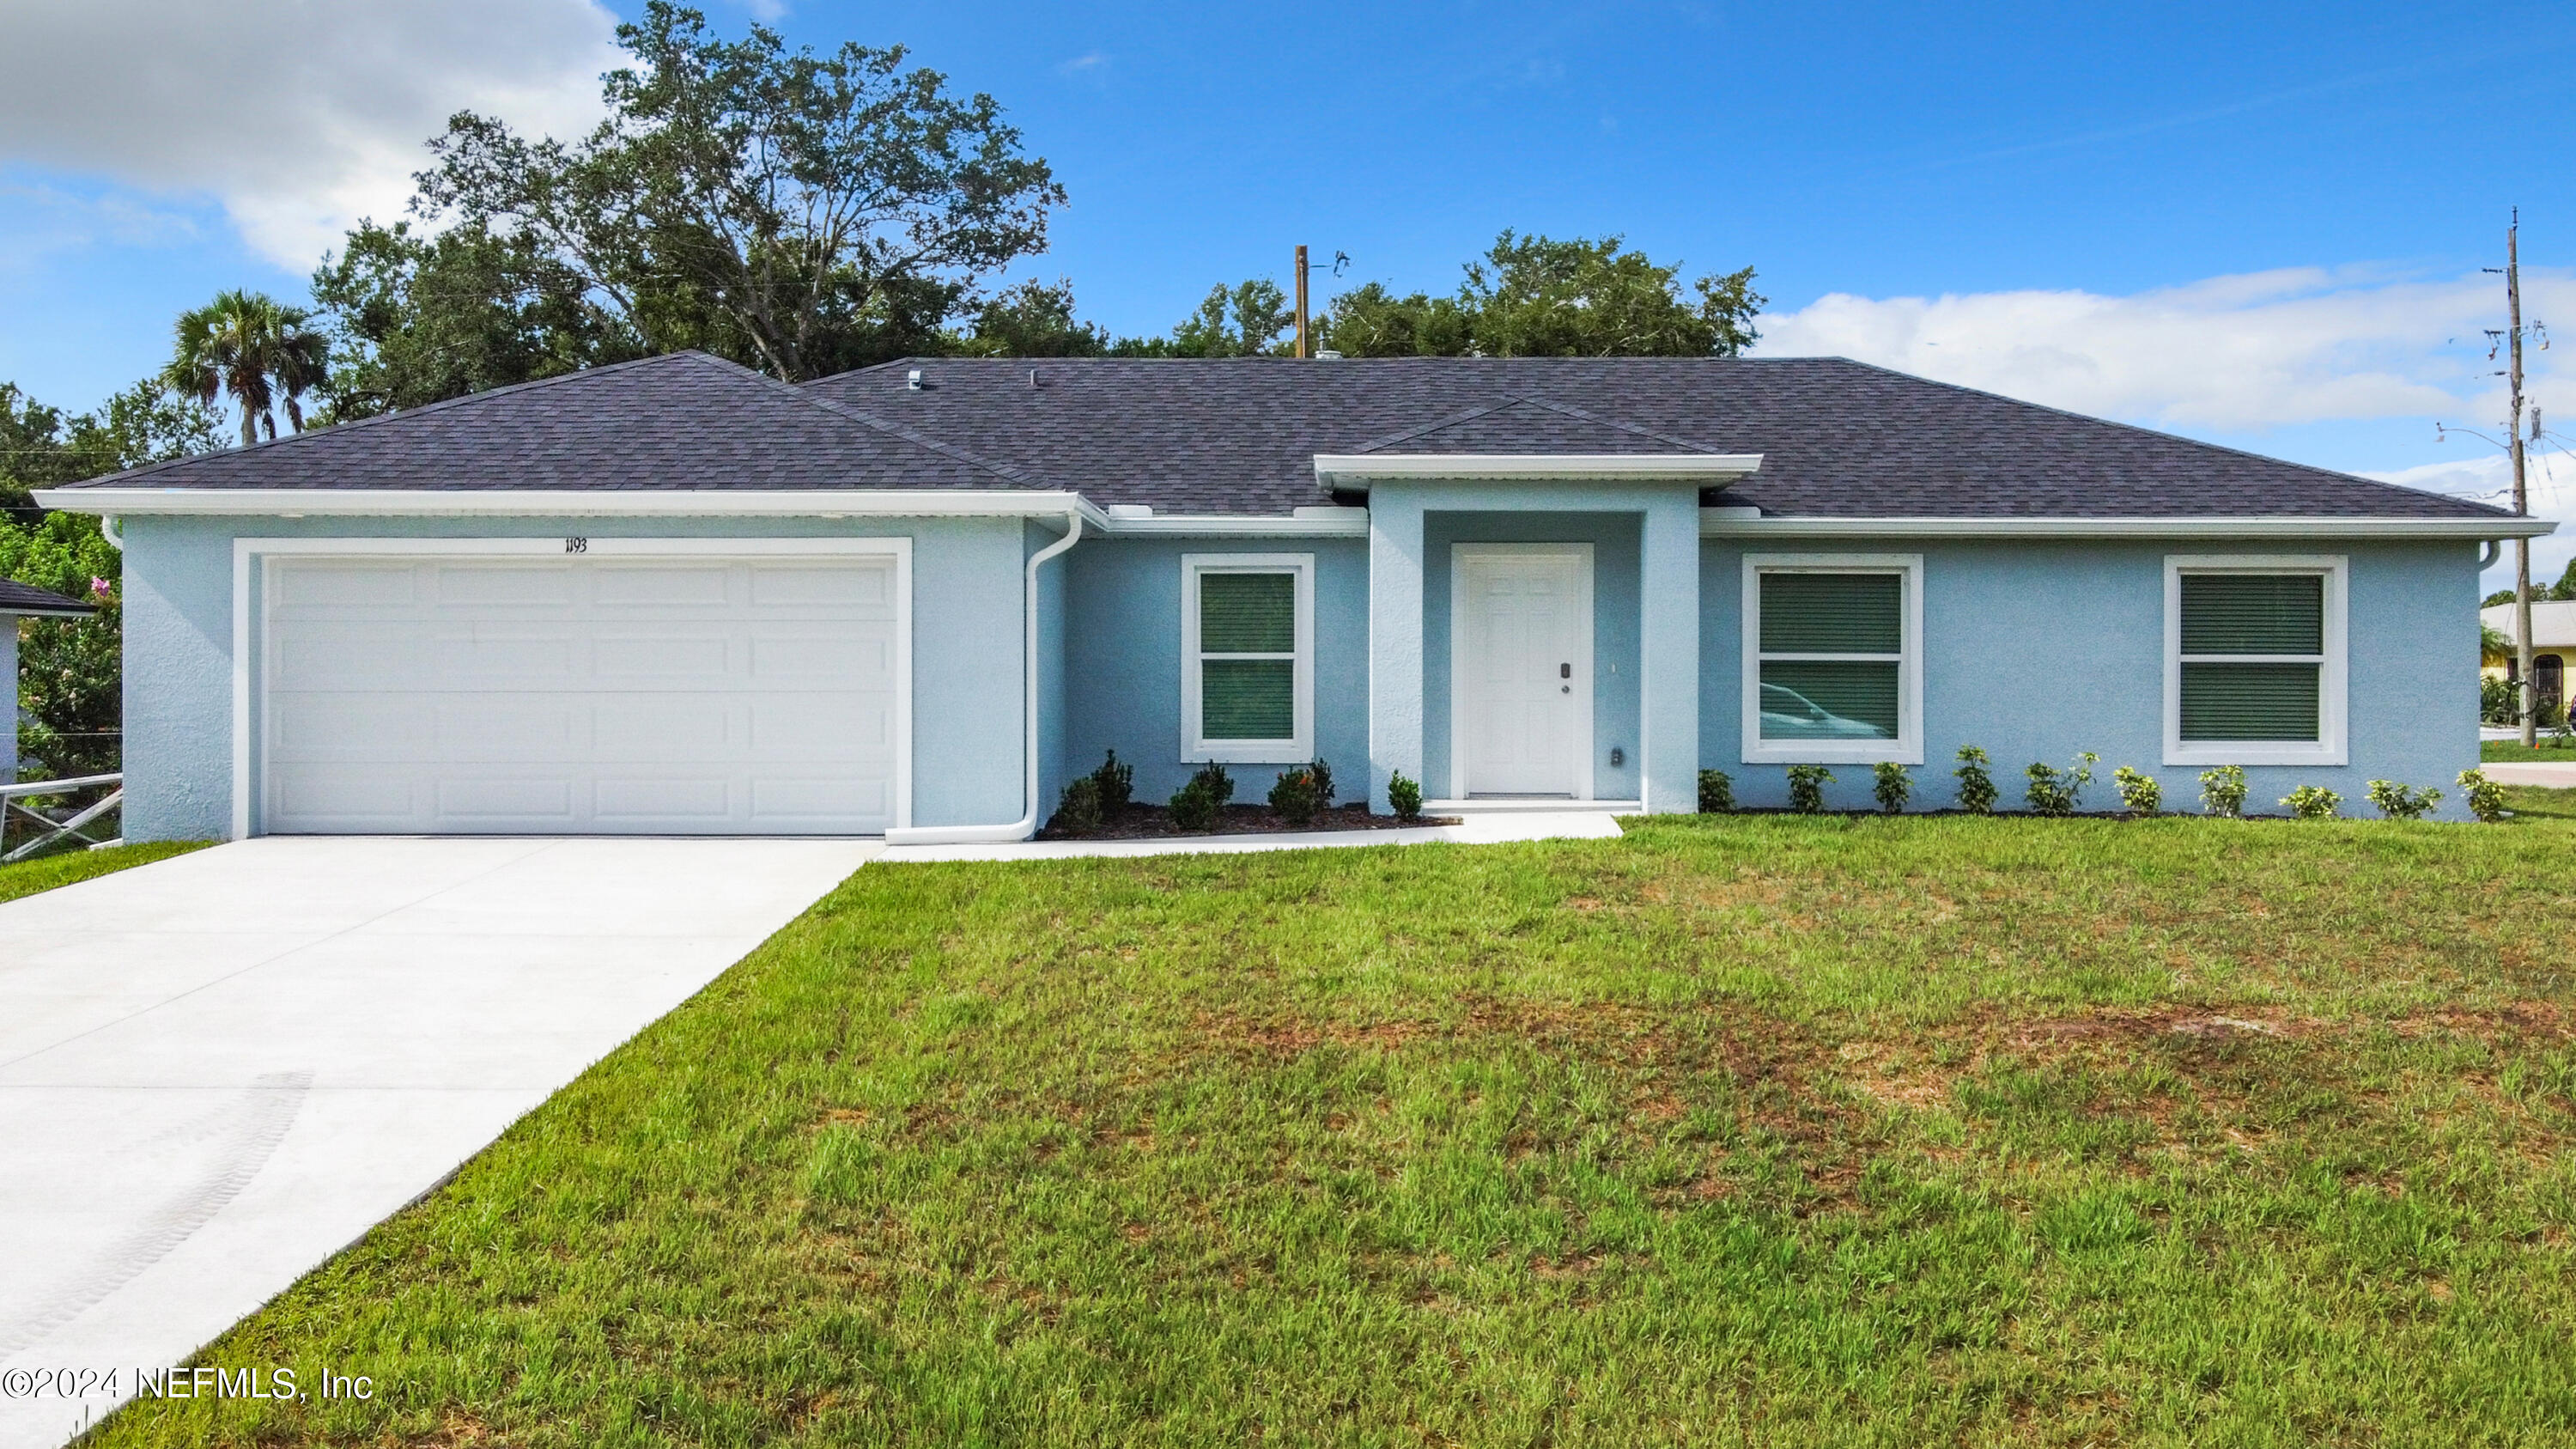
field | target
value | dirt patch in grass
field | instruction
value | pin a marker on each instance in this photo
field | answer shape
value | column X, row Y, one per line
column 1154, row 822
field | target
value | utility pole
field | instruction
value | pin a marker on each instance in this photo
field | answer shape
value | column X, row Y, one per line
column 2527, row 696
column 1301, row 305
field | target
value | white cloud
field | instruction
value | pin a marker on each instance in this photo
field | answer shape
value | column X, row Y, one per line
column 2251, row 352
column 300, row 116
column 2482, row 473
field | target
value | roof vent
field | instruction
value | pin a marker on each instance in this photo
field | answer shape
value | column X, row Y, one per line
column 912, row 379
column 1326, row 354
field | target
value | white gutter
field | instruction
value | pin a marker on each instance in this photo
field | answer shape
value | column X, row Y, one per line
column 575, row 502
column 1027, row 824
column 1708, row 469
column 108, row 530
column 1734, row 523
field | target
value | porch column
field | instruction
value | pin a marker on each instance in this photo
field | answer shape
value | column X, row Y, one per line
column 1395, row 638
column 1668, row 649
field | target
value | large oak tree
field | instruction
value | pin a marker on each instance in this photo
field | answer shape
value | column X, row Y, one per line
column 801, row 213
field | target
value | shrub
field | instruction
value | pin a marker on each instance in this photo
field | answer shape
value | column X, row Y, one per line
column 2312, row 802
column 1293, row 798
column 1116, row 783
column 2486, row 797
column 1194, row 807
column 1322, row 775
column 1213, row 779
column 1890, row 783
column 2139, row 792
column 2496, row 702
column 1078, row 813
column 2397, row 802
column 2058, row 792
column 1716, row 793
column 1976, row 787
column 1404, row 797
column 1807, row 788
column 2222, row 791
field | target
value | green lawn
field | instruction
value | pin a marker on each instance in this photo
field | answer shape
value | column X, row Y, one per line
column 1736, row 1131
column 2495, row 751
column 46, row 872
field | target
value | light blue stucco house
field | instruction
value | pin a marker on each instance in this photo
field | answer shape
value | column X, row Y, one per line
column 674, row 596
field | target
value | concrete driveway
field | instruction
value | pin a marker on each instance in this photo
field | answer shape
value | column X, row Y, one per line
column 218, row 1070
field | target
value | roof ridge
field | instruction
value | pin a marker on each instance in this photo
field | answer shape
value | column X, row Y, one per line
column 1643, row 432
column 802, row 391
column 1409, row 434
column 386, row 417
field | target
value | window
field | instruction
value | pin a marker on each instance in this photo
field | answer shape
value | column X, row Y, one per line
column 2254, row 661
column 1248, row 658
column 1833, row 652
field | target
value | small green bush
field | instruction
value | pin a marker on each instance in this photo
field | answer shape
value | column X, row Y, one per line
column 1116, row 783
column 1078, row 812
column 1213, row 779
column 2058, row 792
column 1403, row 796
column 1976, row 787
column 2486, row 797
column 2139, row 792
column 1322, row 774
column 1807, row 788
column 2312, row 802
column 1891, row 784
column 1716, row 793
column 2497, row 704
column 1194, row 807
column 2222, row 791
column 1293, row 798
column 2397, row 802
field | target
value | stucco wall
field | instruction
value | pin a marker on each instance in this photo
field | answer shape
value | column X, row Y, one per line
column 2037, row 650
column 967, row 651
column 1123, row 660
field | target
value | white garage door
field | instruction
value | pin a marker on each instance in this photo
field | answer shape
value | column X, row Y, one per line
column 581, row 695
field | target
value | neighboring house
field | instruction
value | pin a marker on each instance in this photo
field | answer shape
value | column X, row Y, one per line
column 676, row 596
column 24, row 601
column 2553, row 648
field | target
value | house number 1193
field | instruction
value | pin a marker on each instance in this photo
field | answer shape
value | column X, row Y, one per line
column 576, row 545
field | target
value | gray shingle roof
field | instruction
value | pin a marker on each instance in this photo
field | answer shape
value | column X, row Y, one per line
column 18, row 598
column 681, row 421
column 1838, row 438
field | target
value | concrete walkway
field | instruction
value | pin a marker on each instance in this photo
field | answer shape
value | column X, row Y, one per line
column 2549, row 773
column 218, row 1070
column 1480, row 829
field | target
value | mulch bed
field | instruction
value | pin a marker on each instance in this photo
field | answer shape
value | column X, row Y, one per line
column 1153, row 822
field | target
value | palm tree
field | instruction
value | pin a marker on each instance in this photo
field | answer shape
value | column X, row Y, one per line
column 259, row 352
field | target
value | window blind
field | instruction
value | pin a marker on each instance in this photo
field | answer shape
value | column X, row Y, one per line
column 1247, row 614
column 1833, row 614
column 2253, row 614
column 2243, row 699
column 1809, row 614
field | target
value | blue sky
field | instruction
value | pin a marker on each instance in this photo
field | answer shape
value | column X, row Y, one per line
column 2256, row 224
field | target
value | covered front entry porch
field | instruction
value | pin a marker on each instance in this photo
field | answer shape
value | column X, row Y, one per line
column 1535, row 639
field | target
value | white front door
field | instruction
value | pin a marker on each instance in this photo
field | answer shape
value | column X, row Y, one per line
column 1521, row 666
column 586, row 695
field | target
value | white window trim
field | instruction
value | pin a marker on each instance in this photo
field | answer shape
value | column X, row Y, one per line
column 1907, row 747
column 250, row 685
column 2332, row 746
column 1195, row 747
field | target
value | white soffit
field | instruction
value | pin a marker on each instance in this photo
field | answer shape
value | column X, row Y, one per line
column 1708, row 469
column 1732, row 523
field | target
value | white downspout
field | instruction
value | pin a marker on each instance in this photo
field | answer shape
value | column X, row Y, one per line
column 107, row 530
column 1027, row 824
